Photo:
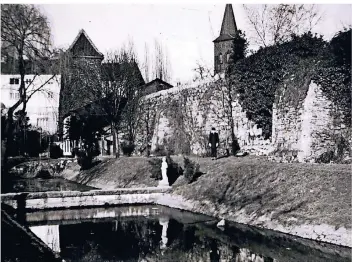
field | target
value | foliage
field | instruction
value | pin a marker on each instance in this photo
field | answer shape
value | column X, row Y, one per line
column 84, row 159
column 173, row 170
column 155, row 164
column 160, row 150
column 340, row 45
column 335, row 76
column 127, row 148
column 336, row 153
column 239, row 48
column 55, row 151
column 191, row 171
column 257, row 77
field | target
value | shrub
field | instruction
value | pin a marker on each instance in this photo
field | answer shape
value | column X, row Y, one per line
column 173, row 170
column 127, row 148
column 55, row 151
column 326, row 157
column 83, row 159
column 155, row 171
column 160, row 150
column 191, row 172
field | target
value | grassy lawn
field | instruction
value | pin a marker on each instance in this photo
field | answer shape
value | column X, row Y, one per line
column 290, row 193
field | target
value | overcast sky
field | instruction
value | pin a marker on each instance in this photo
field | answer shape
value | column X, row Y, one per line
column 187, row 31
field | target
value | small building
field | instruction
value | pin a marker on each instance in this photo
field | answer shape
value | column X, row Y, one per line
column 155, row 86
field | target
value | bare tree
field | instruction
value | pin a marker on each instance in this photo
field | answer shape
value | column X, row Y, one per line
column 146, row 63
column 274, row 24
column 24, row 30
column 202, row 72
column 161, row 63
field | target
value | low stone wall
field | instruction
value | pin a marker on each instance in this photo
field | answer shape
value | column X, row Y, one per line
column 66, row 199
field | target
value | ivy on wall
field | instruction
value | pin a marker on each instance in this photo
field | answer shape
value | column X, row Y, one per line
column 257, row 78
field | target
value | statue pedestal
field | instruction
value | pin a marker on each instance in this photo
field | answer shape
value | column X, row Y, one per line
column 163, row 183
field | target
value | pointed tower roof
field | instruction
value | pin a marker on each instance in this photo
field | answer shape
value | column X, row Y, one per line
column 228, row 27
column 83, row 39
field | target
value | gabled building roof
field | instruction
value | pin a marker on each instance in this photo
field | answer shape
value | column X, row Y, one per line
column 90, row 49
column 228, row 27
column 158, row 81
column 114, row 71
column 154, row 86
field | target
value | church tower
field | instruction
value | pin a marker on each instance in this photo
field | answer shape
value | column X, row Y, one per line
column 223, row 44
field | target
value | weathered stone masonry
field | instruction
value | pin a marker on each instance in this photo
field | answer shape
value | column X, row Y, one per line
column 309, row 129
column 195, row 109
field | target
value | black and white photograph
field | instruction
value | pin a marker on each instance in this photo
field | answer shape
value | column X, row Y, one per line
column 176, row 131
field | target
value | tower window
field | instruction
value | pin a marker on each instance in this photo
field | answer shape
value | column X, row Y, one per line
column 228, row 57
column 220, row 59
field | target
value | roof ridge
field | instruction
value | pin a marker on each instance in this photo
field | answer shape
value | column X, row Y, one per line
column 82, row 31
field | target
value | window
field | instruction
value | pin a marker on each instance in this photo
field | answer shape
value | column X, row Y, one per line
column 228, row 57
column 11, row 95
column 14, row 81
column 17, row 95
column 220, row 59
column 50, row 95
column 27, row 81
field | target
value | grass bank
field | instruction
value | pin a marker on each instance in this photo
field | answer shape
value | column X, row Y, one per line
column 114, row 173
column 308, row 200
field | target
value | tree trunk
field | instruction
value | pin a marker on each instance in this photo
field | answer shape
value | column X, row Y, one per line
column 115, row 143
column 8, row 139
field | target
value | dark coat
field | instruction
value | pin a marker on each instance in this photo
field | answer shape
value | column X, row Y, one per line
column 214, row 139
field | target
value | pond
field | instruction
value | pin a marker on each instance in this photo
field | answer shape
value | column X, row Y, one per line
column 156, row 233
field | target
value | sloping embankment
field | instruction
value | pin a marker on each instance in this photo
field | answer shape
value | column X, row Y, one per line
column 308, row 200
column 114, row 173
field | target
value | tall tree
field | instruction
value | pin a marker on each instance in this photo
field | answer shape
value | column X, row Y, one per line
column 273, row 24
column 25, row 30
column 162, row 68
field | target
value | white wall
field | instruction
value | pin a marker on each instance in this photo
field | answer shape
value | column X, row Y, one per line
column 43, row 106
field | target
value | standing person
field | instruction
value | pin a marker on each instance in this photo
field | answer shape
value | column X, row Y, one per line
column 213, row 142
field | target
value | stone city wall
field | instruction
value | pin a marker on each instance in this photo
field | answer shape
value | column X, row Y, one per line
column 187, row 114
column 309, row 129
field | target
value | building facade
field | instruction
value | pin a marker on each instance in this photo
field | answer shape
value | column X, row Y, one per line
column 42, row 108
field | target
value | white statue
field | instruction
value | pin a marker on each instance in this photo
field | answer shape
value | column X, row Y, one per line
column 165, row 180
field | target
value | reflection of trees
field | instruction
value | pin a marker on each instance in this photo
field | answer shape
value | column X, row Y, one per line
column 106, row 241
column 139, row 240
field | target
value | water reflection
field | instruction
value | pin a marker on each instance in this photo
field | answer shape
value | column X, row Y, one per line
column 49, row 234
column 150, row 233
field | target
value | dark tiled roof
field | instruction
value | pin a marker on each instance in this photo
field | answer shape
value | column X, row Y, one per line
column 228, row 26
column 84, row 46
column 112, row 71
column 158, row 80
column 224, row 38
